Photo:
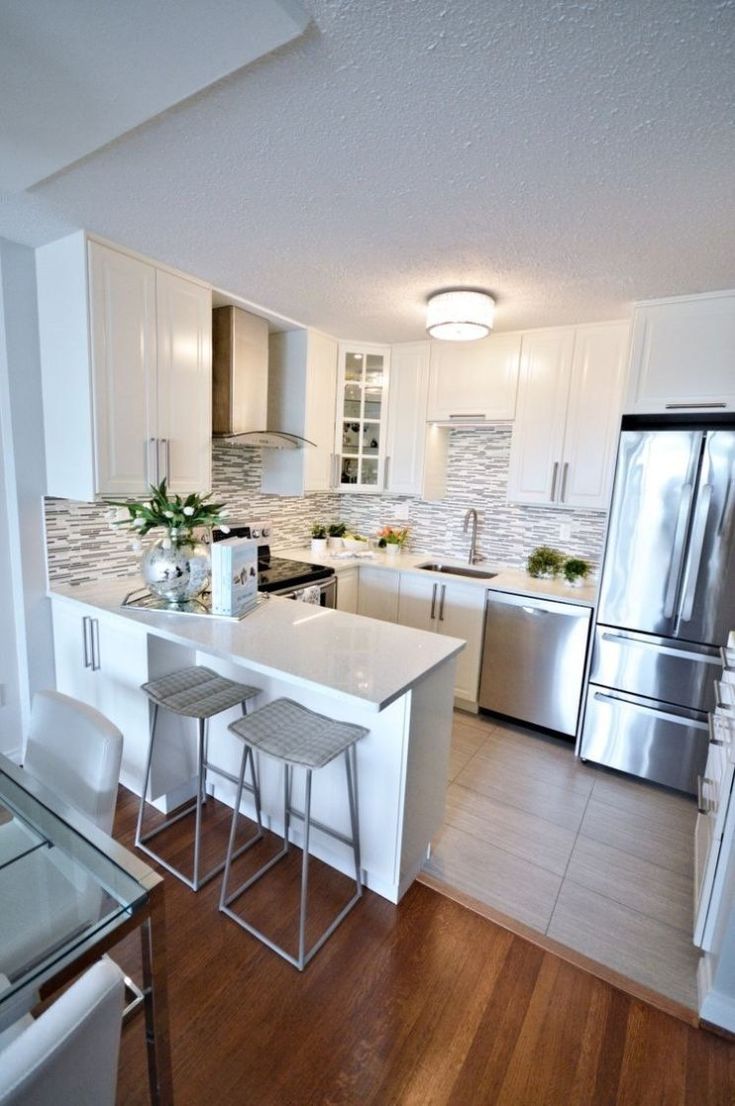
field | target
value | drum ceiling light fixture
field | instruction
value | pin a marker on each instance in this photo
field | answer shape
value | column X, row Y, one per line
column 460, row 315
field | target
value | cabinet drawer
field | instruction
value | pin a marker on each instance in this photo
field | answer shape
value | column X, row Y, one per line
column 657, row 668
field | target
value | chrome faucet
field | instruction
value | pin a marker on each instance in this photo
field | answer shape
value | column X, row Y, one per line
column 474, row 556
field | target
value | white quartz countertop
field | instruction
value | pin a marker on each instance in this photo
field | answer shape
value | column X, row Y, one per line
column 512, row 580
column 354, row 659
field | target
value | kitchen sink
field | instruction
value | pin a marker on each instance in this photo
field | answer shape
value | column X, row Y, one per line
column 454, row 570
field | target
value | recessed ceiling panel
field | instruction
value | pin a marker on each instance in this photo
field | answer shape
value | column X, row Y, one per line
column 76, row 74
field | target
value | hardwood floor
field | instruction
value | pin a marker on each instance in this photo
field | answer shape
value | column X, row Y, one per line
column 424, row 1003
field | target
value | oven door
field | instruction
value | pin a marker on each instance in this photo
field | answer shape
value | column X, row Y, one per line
column 327, row 592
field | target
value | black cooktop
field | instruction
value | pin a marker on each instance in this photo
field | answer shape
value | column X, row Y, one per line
column 276, row 573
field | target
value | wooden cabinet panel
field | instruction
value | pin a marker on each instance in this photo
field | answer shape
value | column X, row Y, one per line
column 683, row 355
column 474, row 381
column 538, row 433
column 184, row 325
column 378, row 596
column 122, row 297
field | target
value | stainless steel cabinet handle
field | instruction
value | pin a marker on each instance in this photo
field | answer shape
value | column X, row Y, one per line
column 677, row 719
column 554, row 474
column 151, row 470
column 163, row 447
column 441, row 602
column 564, row 474
column 168, row 459
column 470, row 415
column 694, row 406
column 85, row 640
column 677, row 555
column 433, row 603
column 696, row 545
column 711, row 725
column 95, row 638
column 386, row 470
column 704, row 805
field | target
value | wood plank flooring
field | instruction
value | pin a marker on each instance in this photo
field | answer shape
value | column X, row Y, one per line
column 424, row 1003
column 600, row 863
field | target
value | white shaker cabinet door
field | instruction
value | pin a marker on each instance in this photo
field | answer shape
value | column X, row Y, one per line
column 461, row 613
column 417, row 601
column 348, row 590
column 378, row 594
column 593, row 417
column 538, row 432
column 683, row 355
column 122, row 303
column 474, row 381
column 184, row 383
column 407, row 429
column 73, row 656
column 320, row 401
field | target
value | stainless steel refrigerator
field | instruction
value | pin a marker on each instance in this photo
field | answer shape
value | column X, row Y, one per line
column 667, row 599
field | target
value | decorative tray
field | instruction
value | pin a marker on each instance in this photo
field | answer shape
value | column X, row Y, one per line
column 143, row 600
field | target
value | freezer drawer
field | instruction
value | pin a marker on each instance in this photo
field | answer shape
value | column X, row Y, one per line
column 655, row 741
column 533, row 660
column 655, row 667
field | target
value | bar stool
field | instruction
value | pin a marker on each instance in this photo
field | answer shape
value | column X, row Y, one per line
column 296, row 736
column 194, row 693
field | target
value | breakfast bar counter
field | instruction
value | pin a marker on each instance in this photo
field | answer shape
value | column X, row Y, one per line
column 395, row 681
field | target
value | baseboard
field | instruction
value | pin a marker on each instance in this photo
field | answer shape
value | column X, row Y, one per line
column 716, row 1010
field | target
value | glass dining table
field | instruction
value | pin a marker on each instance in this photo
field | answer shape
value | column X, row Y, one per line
column 68, row 892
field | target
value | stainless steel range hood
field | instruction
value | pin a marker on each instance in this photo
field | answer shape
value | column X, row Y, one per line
column 240, row 382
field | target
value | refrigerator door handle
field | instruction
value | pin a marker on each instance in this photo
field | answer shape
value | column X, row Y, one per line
column 667, row 651
column 677, row 557
column 726, row 507
column 695, row 553
column 677, row 719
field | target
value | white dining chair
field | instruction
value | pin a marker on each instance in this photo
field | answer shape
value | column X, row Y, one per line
column 76, row 752
column 69, row 1055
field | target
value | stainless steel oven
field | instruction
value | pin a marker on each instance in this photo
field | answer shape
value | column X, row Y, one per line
column 322, row 594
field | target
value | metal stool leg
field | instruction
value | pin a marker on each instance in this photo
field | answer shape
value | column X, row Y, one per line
column 304, row 869
column 201, row 739
column 146, row 781
column 231, row 855
column 351, row 772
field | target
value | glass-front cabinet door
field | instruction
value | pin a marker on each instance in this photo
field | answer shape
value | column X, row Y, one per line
column 361, row 416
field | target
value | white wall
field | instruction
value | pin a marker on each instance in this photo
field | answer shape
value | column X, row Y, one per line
column 26, row 660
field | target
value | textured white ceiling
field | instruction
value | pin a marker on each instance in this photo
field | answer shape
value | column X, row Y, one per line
column 568, row 156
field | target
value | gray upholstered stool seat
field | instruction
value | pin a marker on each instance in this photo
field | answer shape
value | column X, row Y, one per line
column 198, row 693
column 298, row 737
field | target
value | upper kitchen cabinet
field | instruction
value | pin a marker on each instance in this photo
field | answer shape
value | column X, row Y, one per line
column 362, row 394
column 683, row 355
column 302, row 388
column 474, row 382
column 126, row 372
column 569, row 400
column 416, row 455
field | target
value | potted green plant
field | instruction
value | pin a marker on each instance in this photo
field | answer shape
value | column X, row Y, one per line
column 391, row 539
column 318, row 539
column 576, row 570
column 336, row 531
column 176, row 567
column 545, row 562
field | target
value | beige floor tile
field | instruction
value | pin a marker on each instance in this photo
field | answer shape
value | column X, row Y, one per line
column 495, row 877
column 639, row 797
column 518, row 832
column 529, row 757
column 494, row 777
column 651, row 890
column 656, row 955
column 465, row 743
column 643, row 835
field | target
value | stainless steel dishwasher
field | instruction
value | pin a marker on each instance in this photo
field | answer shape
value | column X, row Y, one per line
column 533, row 660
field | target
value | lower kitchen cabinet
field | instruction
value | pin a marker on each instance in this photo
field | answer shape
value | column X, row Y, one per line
column 457, row 610
column 103, row 665
column 379, row 594
column 348, row 590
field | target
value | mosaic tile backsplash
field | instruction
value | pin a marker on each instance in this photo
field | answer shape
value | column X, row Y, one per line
column 82, row 545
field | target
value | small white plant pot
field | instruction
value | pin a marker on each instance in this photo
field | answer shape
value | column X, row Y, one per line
column 319, row 546
column 392, row 550
column 334, row 545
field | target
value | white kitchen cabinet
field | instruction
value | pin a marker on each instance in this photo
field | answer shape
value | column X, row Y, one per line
column 451, row 608
column 126, row 372
column 103, row 663
column 474, row 382
column 683, row 355
column 362, row 394
column 378, row 596
column 416, row 456
column 569, row 400
column 348, row 583
column 302, row 387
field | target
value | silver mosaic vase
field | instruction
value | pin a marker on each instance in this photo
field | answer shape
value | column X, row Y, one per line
column 178, row 573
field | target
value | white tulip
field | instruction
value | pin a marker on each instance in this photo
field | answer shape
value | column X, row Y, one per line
column 139, row 522
column 169, row 514
column 225, row 529
column 166, row 543
column 189, row 511
column 224, row 514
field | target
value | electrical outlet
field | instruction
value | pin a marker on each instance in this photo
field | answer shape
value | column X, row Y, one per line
column 565, row 531
column 400, row 511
